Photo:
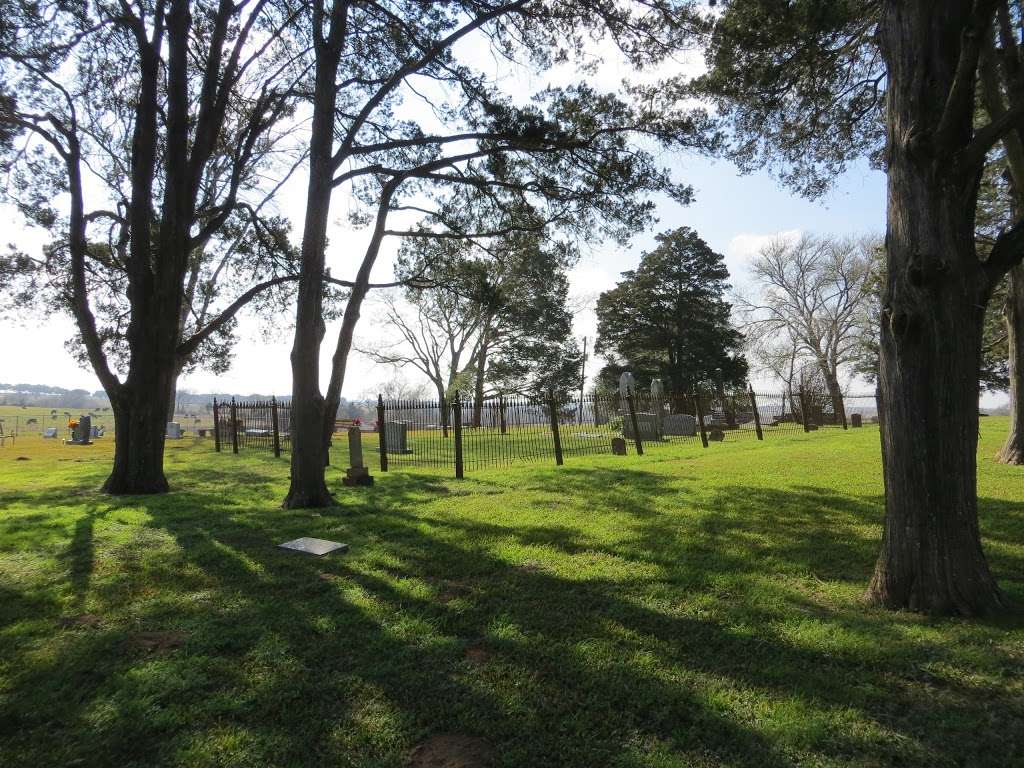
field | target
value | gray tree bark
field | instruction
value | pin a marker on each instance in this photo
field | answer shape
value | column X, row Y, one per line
column 933, row 302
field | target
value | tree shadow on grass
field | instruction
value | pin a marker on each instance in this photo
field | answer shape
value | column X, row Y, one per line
column 301, row 661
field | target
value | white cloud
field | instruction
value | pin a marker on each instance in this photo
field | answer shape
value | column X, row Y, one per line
column 745, row 246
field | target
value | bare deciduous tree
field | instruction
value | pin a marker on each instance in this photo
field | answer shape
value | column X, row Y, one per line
column 813, row 292
column 439, row 333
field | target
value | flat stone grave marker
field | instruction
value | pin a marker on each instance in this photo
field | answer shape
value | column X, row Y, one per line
column 313, row 546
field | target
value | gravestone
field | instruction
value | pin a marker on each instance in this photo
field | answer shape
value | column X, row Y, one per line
column 313, row 546
column 357, row 473
column 396, row 436
column 81, row 432
column 811, row 427
column 50, row 432
column 855, row 420
column 647, row 423
column 680, row 424
column 716, row 435
column 627, row 384
column 619, row 446
column 658, row 403
column 97, row 431
column 173, row 430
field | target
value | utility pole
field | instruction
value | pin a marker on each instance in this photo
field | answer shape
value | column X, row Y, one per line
column 583, row 376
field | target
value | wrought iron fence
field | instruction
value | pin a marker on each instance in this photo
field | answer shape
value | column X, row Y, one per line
column 252, row 425
column 463, row 434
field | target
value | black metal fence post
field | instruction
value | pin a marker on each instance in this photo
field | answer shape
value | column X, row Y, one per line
column 276, row 428
column 460, row 469
column 234, row 427
column 553, row 408
column 700, row 419
column 382, row 433
column 501, row 415
column 757, row 416
column 803, row 410
column 631, row 403
column 216, row 427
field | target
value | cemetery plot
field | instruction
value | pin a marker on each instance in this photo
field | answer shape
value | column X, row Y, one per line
column 460, row 434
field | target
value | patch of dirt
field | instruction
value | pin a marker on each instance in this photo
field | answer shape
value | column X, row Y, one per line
column 448, row 590
column 530, row 567
column 477, row 655
column 157, row 642
column 82, row 620
column 22, row 458
column 453, row 751
column 329, row 576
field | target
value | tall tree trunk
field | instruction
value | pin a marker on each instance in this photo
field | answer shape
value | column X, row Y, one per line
column 139, row 430
column 156, row 270
column 1012, row 451
column 835, row 393
column 353, row 309
column 933, row 302
column 308, row 487
column 727, row 410
column 172, row 401
column 478, row 386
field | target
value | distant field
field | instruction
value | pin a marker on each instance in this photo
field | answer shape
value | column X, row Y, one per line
column 16, row 418
column 686, row 608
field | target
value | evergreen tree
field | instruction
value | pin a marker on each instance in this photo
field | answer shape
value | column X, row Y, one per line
column 668, row 317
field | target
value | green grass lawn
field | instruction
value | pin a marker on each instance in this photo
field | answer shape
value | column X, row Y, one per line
column 685, row 608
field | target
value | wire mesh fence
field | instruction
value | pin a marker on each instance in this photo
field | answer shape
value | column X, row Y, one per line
column 463, row 434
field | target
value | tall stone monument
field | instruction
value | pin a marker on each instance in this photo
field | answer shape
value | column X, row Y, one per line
column 357, row 473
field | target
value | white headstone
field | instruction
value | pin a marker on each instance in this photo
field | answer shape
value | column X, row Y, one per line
column 627, row 384
column 657, row 389
column 173, row 430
